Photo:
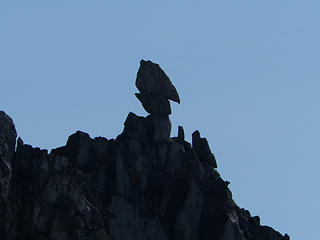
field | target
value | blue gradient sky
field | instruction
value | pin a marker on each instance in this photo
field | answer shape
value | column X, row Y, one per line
column 247, row 73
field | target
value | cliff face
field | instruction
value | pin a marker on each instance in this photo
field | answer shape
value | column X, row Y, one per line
column 141, row 185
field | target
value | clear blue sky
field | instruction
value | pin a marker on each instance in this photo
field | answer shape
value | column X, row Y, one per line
column 247, row 73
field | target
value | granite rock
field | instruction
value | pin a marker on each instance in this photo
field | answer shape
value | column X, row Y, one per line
column 141, row 185
column 7, row 150
column 180, row 133
column 151, row 79
column 202, row 149
column 154, row 104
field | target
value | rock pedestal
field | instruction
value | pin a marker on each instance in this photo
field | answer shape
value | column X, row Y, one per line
column 156, row 90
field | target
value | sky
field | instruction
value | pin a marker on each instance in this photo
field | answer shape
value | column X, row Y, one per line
column 247, row 73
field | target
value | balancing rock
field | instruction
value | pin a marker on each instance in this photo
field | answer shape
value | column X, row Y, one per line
column 155, row 88
column 141, row 185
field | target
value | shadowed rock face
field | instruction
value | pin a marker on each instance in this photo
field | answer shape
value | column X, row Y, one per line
column 202, row 149
column 7, row 146
column 141, row 185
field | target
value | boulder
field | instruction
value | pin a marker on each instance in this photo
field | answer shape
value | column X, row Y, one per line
column 154, row 104
column 151, row 79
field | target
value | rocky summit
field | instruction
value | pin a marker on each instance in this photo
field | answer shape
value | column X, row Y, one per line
column 141, row 185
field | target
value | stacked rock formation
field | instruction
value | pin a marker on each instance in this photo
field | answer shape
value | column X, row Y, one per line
column 142, row 185
column 156, row 90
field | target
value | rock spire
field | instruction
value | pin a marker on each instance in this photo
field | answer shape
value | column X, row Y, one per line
column 156, row 90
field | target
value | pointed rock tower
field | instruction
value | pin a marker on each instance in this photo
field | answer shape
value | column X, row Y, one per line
column 156, row 90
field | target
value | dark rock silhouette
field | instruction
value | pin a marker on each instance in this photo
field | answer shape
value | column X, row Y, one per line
column 156, row 90
column 154, row 104
column 152, row 80
column 8, row 137
column 141, row 185
column 180, row 133
column 202, row 149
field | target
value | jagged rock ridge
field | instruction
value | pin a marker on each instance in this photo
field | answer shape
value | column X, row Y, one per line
column 141, row 185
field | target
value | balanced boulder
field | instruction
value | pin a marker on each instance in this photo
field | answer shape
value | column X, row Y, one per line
column 155, row 88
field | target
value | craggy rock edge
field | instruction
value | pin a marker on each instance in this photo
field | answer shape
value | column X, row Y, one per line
column 133, row 187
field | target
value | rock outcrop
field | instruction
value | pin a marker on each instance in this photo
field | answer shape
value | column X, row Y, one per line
column 7, row 147
column 141, row 185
